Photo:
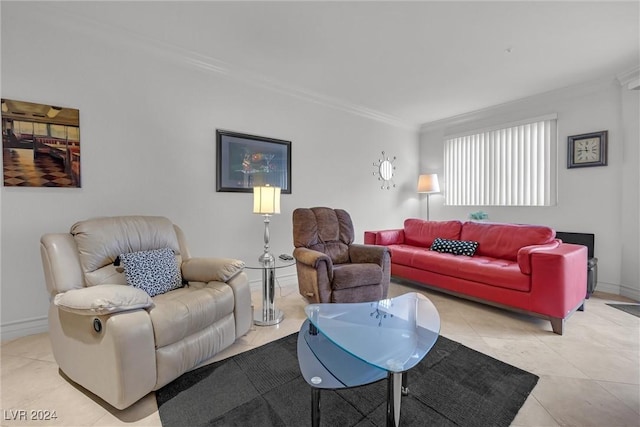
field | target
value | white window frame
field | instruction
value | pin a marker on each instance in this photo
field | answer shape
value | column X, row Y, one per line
column 514, row 164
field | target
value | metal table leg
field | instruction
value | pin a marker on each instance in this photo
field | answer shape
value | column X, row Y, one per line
column 269, row 315
column 394, row 398
column 315, row 407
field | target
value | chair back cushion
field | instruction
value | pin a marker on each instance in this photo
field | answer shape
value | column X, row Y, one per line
column 325, row 230
column 101, row 240
column 503, row 241
column 418, row 232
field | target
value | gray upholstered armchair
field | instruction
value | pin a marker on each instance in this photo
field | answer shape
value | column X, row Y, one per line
column 331, row 268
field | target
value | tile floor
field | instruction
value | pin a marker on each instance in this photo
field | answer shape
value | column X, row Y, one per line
column 590, row 376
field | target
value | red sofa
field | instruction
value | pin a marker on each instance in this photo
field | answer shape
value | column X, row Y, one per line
column 519, row 267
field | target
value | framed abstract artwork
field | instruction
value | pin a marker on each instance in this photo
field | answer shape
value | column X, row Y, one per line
column 245, row 161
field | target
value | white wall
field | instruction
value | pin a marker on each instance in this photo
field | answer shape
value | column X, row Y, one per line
column 148, row 124
column 630, row 207
column 599, row 200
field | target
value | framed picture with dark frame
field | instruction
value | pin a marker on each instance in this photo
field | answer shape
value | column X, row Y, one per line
column 589, row 149
column 246, row 161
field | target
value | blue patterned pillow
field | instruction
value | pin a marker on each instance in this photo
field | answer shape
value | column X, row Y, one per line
column 155, row 271
column 456, row 247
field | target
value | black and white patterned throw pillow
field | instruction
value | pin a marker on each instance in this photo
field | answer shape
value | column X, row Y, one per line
column 456, row 247
column 155, row 271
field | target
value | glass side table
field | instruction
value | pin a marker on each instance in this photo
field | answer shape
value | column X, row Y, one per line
column 269, row 315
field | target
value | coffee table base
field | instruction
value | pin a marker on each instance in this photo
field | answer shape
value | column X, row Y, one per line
column 353, row 344
column 319, row 377
column 395, row 391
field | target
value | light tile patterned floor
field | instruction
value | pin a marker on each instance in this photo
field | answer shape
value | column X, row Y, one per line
column 590, row 376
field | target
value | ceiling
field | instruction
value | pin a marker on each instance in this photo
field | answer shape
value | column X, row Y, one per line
column 408, row 62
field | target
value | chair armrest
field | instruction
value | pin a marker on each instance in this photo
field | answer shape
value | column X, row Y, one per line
column 373, row 254
column 118, row 363
column 102, row 300
column 558, row 279
column 315, row 274
column 211, row 269
column 239, row 284
column 384, row 237
column 311, row 258
column 524, row 254
column 230, row 271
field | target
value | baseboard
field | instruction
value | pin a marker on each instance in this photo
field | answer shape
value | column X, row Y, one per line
column 609, row 288
column 629, row 292
column 622, row 290
column 22, row 328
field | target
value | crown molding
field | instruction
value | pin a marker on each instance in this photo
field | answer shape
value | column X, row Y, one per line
column 630, row 78
column 541, row 98
column 261, row 80
column 126, row 38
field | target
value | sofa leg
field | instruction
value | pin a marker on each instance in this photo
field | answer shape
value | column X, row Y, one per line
column 557, row 325
column 581, row 308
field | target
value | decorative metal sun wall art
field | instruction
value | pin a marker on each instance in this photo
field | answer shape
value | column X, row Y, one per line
column 385, row 171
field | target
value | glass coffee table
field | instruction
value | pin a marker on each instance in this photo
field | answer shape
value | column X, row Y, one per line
column 349, row 345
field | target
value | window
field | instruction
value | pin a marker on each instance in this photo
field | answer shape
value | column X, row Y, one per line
column 510, row 166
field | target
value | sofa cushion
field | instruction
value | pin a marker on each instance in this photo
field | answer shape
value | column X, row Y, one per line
column 190, row 309
column 426, row 259
column 418, row 232
column 155, row 271
column 503, row 241
column 490, row 271
column 405, row 254
column 455, row 247
column 354, row 275
column 439, row 262
column 495, row 272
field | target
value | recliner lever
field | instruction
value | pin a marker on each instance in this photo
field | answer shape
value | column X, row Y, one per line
column 97, row 325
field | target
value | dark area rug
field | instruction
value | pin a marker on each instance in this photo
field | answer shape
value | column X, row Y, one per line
column 627, row 308
column 452, row 386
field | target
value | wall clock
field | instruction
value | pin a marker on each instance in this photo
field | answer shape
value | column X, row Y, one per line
column 589, row 149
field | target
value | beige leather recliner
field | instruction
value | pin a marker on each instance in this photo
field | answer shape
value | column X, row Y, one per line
column 115, row 340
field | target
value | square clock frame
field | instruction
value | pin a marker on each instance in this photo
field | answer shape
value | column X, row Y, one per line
column 589, row 149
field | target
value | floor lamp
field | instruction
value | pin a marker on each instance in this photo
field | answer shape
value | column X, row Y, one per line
column 428, row 184
column 266, row 202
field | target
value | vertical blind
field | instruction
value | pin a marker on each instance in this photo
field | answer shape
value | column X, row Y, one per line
column 511, row 166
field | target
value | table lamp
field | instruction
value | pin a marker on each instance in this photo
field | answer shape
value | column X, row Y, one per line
column 266, row 202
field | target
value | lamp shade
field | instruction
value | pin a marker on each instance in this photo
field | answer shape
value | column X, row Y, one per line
column 266, row 200
column 428, row 183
